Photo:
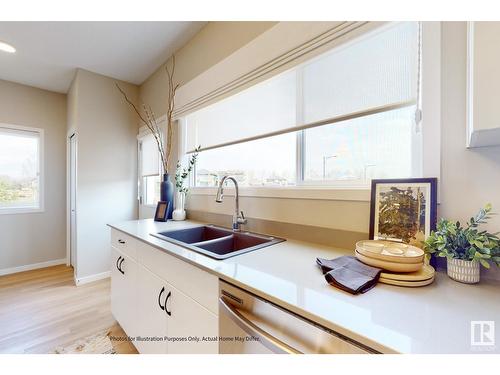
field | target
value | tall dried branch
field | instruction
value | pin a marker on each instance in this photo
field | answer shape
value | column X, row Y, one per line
column 148, row 117
column 172, row 88
column 149, row 120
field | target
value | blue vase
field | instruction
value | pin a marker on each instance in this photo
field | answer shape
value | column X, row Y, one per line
column 167, row 194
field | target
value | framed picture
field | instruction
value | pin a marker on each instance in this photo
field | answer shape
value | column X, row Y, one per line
column 161, row 211
column 403, row 210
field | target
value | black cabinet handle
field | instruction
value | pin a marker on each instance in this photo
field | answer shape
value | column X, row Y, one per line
column 159, row 298
column 121, row 241
column 120, row 266
column 117, row 267
column 169, row 313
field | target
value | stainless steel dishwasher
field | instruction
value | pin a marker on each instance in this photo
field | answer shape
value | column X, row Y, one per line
column 249, row 324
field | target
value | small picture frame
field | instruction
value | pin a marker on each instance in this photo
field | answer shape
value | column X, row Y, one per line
column 403, row 210
column 161, row 211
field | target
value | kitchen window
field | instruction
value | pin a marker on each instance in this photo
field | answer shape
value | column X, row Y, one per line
column 149, row 171
column 336, row 121
column 21, row 161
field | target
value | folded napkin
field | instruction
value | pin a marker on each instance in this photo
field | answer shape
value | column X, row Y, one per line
column 349, row 274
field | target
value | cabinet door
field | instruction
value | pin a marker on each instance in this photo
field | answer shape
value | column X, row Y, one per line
column 190, row 322
column 152, row 293
column 123, row 295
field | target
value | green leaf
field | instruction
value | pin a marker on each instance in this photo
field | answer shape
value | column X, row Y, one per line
column 478, row 243
column 484, row 263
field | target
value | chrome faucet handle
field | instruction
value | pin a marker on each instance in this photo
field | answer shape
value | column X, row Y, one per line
column 241, row 218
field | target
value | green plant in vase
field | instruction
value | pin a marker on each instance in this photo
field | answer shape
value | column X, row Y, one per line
column 181, row 176
column 465, row 247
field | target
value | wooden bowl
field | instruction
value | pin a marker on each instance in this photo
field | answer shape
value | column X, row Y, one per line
column 390, row 251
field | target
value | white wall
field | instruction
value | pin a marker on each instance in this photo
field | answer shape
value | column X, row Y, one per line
column 469, row 177
column 107, row 165
column 37, row 237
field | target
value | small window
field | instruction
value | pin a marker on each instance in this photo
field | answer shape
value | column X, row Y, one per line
column 149, row 170
column 20, row 169
column 151, row 190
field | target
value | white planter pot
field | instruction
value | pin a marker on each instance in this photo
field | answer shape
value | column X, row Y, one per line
column 179, row 213
column 464, row 271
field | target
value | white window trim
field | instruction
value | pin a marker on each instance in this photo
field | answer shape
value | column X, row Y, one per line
column 431, row 138
column 41, row 164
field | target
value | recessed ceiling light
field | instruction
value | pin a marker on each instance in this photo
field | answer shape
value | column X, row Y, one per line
column 6, row 47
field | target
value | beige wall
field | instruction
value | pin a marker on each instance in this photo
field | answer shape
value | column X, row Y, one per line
column 37, row 237
column 106, row 131
column 213, row 43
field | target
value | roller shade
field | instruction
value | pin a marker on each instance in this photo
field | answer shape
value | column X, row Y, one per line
column 370, row 74
column 268, row 106
column 373, row 72
column 150, row 157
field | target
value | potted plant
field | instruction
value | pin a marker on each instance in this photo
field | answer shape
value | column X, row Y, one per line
column 181, row 175
column 465, row 247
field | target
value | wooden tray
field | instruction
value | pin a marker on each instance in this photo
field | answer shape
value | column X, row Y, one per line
column 389, row 266
column 425, row 273
column 409, row 284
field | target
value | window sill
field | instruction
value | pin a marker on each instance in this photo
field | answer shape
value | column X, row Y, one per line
column 296, row 192
column 25, row 210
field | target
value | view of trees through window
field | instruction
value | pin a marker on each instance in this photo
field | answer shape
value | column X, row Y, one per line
column 353, row 151
column 264, row 162
column 19, row 175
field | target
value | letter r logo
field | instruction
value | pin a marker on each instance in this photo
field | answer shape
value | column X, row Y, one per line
column 482, row 333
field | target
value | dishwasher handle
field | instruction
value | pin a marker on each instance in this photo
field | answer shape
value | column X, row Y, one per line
column 269, row 341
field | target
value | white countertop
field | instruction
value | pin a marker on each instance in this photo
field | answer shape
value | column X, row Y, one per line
column 432, row 319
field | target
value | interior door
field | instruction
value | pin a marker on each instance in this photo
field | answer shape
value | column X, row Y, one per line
column 152, row 293
column 72, row 192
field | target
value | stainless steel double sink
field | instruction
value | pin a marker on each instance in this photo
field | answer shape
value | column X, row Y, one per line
column 217, row 242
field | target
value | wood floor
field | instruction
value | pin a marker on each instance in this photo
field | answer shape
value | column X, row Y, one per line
column 41, row 310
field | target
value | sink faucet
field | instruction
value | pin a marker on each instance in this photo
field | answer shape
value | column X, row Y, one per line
column 238, row 217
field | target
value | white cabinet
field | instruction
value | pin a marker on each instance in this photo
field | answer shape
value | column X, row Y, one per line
column 123, row 295
column 483, row 84
column 201, row 286
column 193, row 323
column 165, row 304
column 125, row 244
column 152, row 294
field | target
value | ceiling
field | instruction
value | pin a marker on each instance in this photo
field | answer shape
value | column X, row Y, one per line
column 49, row 52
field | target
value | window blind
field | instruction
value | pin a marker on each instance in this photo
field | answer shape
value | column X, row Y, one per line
column 371, row 74
column 150, row 156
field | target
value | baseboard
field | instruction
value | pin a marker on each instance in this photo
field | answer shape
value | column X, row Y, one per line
column 34, row 266
column 91, row 278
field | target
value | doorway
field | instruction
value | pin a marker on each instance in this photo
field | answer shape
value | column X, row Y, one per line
column 72, row 200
